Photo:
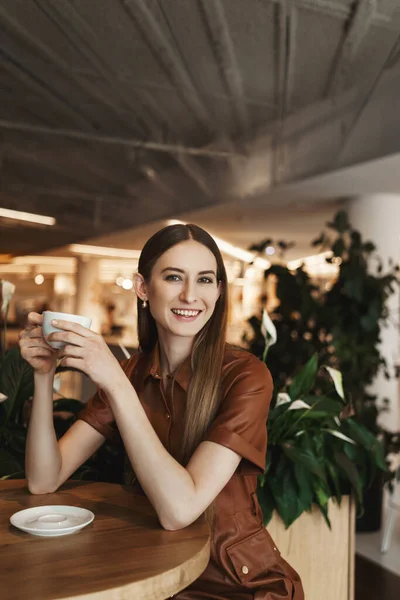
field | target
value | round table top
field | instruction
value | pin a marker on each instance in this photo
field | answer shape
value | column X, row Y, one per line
column 124, row 553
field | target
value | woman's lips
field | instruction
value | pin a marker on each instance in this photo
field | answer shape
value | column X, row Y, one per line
column 185, row 315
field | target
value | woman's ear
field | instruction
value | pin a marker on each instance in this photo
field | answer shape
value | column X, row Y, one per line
column 220, row 288
column 140, row 286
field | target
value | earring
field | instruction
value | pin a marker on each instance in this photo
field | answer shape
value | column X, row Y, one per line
column 144, row 303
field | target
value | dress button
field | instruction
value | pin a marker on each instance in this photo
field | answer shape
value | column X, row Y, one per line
column 167, row 416
column 245, row 570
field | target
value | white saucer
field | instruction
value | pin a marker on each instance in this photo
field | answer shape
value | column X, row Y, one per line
column 50, row 521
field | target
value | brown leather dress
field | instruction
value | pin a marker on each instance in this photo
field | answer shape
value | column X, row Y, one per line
column 245, row 562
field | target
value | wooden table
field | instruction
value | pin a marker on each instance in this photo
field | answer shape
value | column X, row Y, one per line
column 123, row 554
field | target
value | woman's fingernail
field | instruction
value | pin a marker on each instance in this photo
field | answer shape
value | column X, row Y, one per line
column 54, row 322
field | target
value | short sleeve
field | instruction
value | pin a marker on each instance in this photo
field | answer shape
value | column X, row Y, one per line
column 241, row 422
column 97, row 411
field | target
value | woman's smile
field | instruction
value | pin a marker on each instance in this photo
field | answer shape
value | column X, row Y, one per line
column 185, row 314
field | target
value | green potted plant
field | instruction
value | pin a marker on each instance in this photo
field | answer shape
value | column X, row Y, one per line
column 316, row 449
column 341, row 323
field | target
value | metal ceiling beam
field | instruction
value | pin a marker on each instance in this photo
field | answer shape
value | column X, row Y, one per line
column 87, row 43
column 224, row 51
column 358, row 27
column 392, row 58
column 35, row 190
column 333, row 8
column 114, row 140
column 76, row 172
column 287, row 26
column 42, row 91
column 167, row 57
column 50, row 58
column 195, row 172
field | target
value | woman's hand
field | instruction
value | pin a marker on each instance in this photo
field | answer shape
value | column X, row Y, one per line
column 34, row 348
column 87, row 351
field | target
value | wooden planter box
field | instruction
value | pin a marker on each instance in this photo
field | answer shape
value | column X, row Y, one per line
column 324, row 558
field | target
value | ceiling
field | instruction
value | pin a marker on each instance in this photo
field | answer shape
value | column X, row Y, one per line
column 138, row 111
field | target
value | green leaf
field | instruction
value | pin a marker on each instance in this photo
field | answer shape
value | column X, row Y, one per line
column 9, row 464
column 367, row 440
column 304, row 484
column 334, row 476
column 266, row 502
column 304, row 381
column 340, row 222
column 321, row 501
column 323, row 406
column 285, row 493
column 350, row 472
column 17, row 475
column 304, row 457
column 16, row 382
column 338, row 247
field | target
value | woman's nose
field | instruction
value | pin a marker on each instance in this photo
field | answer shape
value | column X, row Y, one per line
column 188, row 293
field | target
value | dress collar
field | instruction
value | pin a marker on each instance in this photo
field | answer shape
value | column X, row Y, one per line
column 183, row 373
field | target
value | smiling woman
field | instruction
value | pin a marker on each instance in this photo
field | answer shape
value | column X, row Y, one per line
column 190, row 410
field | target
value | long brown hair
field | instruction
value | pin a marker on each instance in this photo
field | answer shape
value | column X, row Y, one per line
column 208, row 349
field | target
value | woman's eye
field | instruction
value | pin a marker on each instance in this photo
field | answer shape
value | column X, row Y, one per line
column 172, row 278
column 205, row 280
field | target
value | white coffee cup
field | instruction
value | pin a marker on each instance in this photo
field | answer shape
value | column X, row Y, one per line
column 48, row 328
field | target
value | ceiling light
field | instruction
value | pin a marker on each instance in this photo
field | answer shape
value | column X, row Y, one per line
column 103, row 251
column 24, row 216
column 63, row 261
column 127, row 284
column 315, row 260
column 270, row 250
column 39, row 279
column 234, row 251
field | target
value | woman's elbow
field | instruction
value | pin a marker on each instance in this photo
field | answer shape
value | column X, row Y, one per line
column 174, row 522
column 38, row 489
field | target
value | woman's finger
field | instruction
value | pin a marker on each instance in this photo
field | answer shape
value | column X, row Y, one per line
column 34, row 343
column 34, row 319
column 70, row 350
column 74, row 327
column 36, row 353
column 67, row 337
column 73, row 363
column 36, row 332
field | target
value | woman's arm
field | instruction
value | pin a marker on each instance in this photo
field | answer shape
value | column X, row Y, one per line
column 47, row 462
column 179, row 495
column 42, row 455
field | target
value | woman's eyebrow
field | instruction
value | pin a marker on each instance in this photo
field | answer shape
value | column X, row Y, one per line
column 208, row 272
column 172, row 269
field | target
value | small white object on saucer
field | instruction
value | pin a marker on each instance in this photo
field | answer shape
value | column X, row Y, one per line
column 51, row 521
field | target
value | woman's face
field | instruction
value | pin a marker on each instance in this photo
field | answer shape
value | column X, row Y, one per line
column 183, row 289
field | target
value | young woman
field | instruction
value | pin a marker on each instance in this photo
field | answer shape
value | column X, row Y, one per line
column 191, row 412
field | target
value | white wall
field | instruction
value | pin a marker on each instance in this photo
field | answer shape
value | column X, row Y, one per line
column 377, row 217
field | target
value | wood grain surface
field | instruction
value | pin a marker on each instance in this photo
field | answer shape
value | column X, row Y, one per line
column 323, row 557
column 124, row 554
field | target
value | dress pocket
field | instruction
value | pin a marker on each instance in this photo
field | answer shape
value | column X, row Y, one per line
column 253, row 556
